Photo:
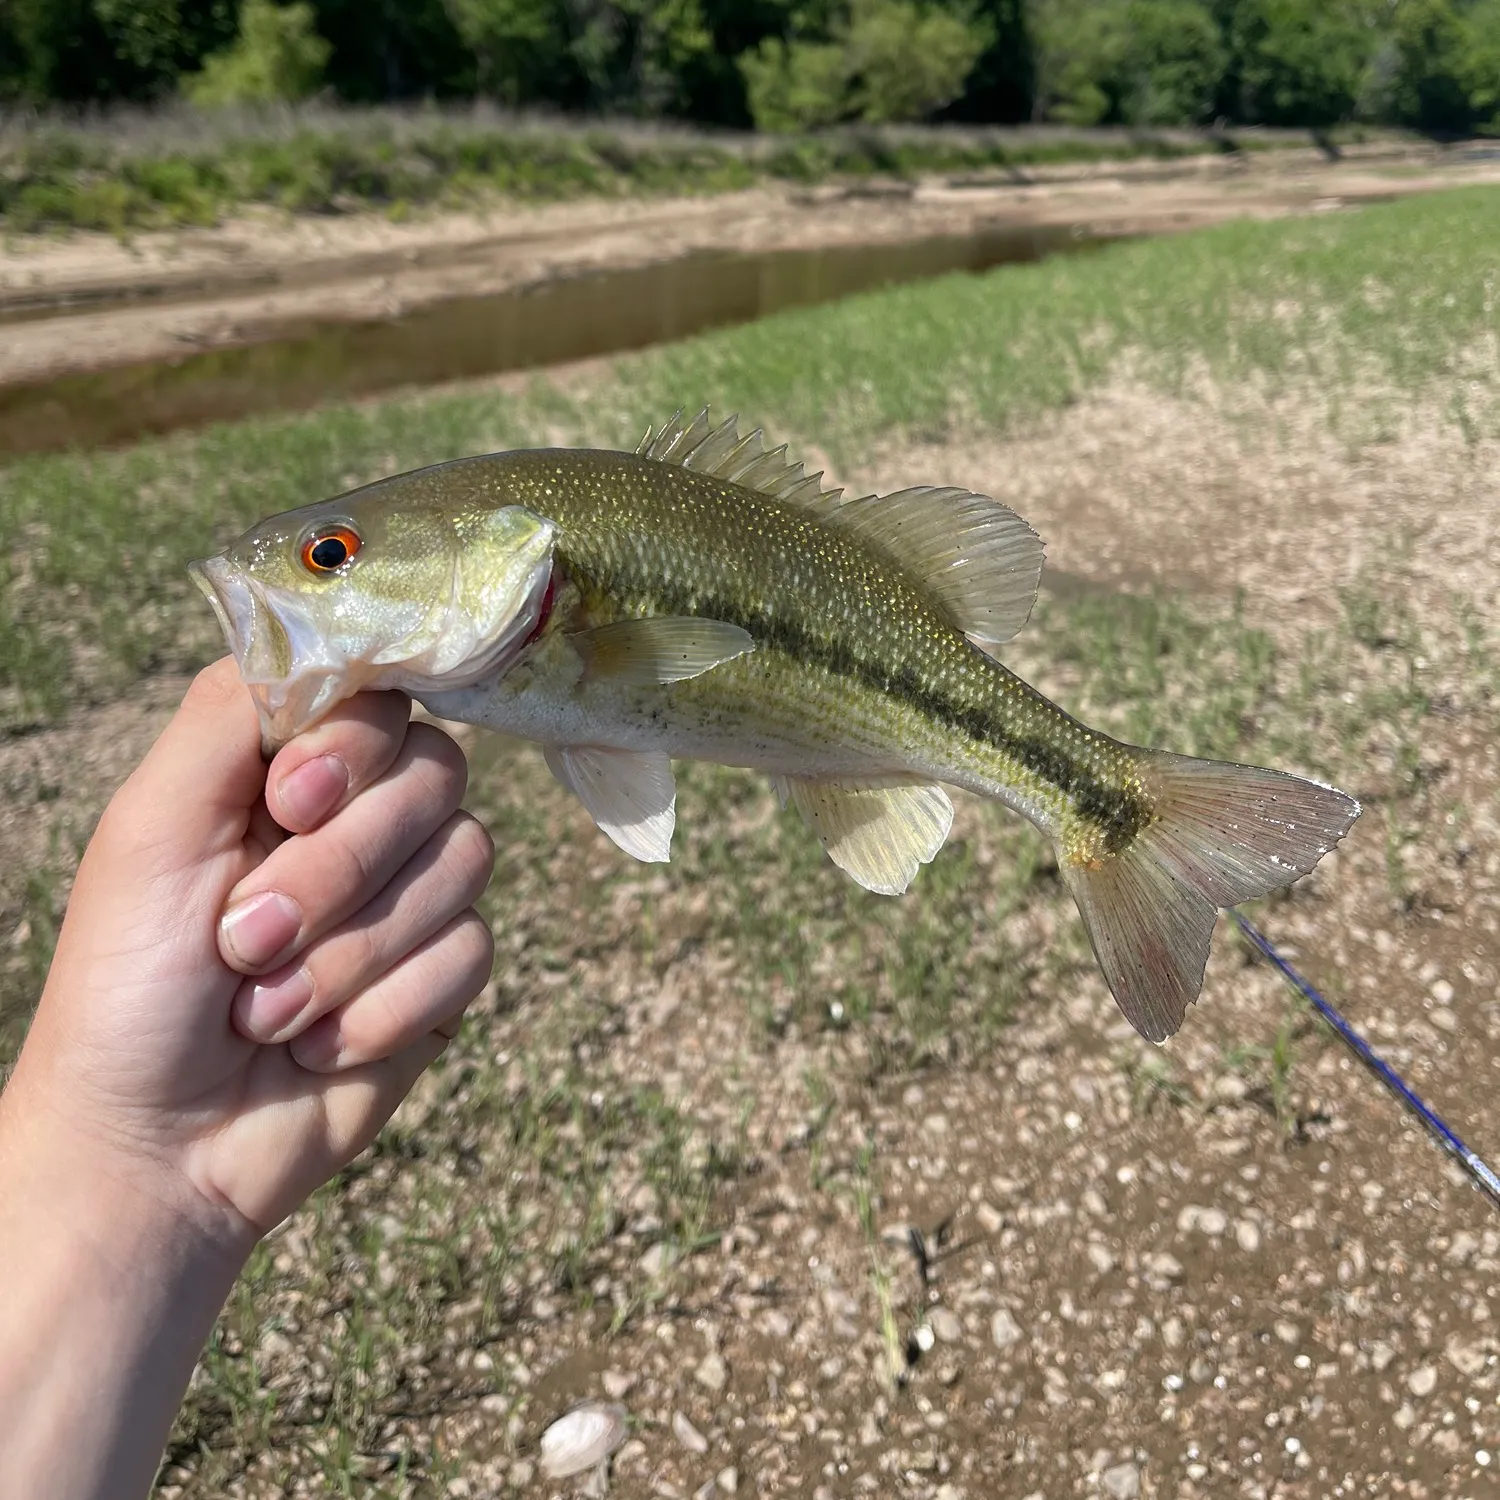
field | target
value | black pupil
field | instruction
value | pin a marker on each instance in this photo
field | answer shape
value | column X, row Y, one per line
column 331, row 552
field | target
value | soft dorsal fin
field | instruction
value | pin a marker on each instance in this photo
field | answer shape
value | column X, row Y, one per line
column 722, row 452
column 981, row 560
column 979, row 557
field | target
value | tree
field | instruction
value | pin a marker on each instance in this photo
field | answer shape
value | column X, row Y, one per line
column 1133, row 62
column 880, row 61
column 1481, row 68
column 1301, row 62
column 520, row 46
column 1426, row 86
column 278, row 55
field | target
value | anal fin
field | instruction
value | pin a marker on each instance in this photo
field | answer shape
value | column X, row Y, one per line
column 630, row 794
column 878, row 832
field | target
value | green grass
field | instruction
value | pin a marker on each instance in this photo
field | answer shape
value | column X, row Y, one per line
column 519, row 1199
column 188, row 169
column 1383, row 303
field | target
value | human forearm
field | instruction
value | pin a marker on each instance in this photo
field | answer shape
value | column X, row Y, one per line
column 109, row 1284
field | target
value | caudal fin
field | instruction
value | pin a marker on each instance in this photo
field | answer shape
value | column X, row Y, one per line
column 1219, row 834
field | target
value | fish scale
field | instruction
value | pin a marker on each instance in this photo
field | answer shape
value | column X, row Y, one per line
column 703, row 598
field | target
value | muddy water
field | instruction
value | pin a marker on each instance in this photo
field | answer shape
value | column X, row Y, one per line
column 529, row 328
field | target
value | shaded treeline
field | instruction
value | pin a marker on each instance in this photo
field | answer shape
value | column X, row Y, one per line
column 787, row 64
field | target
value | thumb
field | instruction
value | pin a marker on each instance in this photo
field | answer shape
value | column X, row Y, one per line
column 193, row 795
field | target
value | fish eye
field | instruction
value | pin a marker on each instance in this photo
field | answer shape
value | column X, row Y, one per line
column 329, row 548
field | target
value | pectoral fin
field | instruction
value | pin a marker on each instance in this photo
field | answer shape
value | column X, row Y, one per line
column 631, row 795
column 879, row 833
column 667, row 648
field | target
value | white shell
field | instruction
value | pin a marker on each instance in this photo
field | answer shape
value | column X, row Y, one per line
column 582, row 1438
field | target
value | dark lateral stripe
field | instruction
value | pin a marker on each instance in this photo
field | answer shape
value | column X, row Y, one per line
column 1119, row 812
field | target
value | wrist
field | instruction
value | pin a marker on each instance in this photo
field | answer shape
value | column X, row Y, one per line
column 113, row 1278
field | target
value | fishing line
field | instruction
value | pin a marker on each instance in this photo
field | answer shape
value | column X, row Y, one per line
column 1474, row 1164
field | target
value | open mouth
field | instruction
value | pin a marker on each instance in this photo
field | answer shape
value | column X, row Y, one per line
column 281, row 659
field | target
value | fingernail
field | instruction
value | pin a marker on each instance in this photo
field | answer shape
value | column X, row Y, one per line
column 320, row 1049
column 269, row 1009
column 258, row 929
column 312, row 791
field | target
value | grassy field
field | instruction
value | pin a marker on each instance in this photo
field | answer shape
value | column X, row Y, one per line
column 180, row 168
column 677, row 1151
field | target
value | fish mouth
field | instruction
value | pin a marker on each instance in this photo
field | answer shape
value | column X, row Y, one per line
column 289, row 669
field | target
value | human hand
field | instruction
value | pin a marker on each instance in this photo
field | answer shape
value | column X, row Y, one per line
column 154, row 1059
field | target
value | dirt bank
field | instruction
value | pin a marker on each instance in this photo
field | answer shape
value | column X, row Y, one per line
column 91, row 301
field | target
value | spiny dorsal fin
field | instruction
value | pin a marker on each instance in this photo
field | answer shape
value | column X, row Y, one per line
column 722, row 452
column 981, row 560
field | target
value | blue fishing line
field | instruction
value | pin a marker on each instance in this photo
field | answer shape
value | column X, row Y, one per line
column 1474, row 1164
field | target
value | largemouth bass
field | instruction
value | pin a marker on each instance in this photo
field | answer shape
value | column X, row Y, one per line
column 702, row 598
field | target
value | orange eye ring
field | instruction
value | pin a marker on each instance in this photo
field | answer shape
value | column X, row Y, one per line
column 329, row 549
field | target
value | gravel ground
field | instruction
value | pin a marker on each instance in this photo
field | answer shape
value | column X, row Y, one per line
column 844, row 1198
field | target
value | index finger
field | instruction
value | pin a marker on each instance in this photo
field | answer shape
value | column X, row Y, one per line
column 318, row 773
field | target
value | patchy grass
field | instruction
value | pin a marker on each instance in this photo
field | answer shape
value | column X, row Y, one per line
column 181, row 168
column 1396, row 297
column 713, row 1098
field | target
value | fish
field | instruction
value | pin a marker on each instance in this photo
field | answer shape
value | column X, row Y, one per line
column 705, row 598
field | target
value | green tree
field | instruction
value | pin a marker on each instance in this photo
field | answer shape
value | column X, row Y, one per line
column 907, row 60
column 878, row 61
column 1425, row 83
column 1133, row 62
column 520, row 46
column 1481, row 67
column 394, row 49
column 278, row 55
column 1301, row 62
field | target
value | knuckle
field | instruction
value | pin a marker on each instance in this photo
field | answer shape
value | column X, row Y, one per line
column 477, row 949
column 438, row 760
column 468, row 854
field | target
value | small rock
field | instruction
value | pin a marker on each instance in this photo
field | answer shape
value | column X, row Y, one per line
column 1406, row 1416
column 711, row 1372
column 1287, row 1332
column 521, row 1473
column 657, row 1259
column 1467, row 1359
column 991, row 1220
column 1247, row 1236
column 1212, row 1221
column 687, row 1434
column 1101, row 1258
column 1442, row 992
column 1122, row 1481
column 728, row 1480
column 1201, row 1371
column 617, row 1384
column 1163, row 1267
column 1423, row 1380
column 1443, row 1019
column 1004, row 1329
column 945, row 1324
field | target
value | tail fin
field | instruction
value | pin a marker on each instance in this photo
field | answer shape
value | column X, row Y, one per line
column 1219, row 834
